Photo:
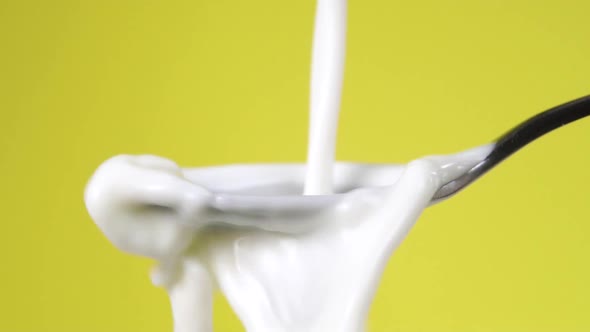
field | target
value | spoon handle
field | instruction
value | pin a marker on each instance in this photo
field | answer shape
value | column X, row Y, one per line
column 517, row 138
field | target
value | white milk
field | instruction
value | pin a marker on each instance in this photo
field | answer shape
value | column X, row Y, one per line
column 285, row 262
column 327, row 72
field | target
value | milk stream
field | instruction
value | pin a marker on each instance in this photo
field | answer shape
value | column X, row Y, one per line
column 327, row 72
column 285, row 261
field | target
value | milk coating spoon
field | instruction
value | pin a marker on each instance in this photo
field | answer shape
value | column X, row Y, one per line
column 503, row 147
column 516, row 139
column 137, row 185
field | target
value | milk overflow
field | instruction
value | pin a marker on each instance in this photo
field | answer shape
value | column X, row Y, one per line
column 285, row 261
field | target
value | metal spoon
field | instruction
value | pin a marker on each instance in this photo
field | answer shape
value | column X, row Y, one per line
column 281, row 211
column 257, row 208
column 517, row 138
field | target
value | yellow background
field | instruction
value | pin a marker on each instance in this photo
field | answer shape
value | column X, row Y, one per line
column 216, row 82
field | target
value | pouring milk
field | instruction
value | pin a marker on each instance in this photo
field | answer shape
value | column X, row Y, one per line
column 285, row 261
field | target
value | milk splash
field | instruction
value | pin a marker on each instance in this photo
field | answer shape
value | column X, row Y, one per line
column 285, row 261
